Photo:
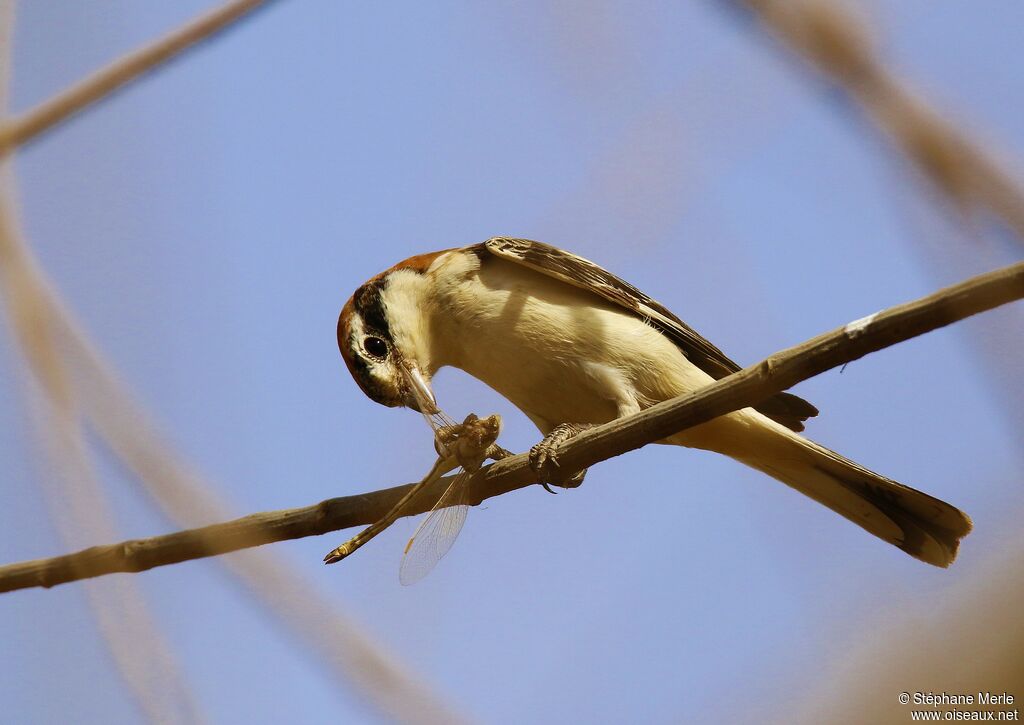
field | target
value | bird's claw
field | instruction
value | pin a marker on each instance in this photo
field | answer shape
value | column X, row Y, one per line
column 542, row 455
column 576, row 480
column 544, row 458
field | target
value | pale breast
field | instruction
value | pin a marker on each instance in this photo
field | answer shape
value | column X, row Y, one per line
column 559, row 353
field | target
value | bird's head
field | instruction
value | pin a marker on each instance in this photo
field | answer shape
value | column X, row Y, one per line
column 384, row 338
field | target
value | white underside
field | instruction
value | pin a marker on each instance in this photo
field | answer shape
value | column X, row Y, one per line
column 563, row 355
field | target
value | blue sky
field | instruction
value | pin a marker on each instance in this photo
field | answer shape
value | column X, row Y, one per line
column 208, row 223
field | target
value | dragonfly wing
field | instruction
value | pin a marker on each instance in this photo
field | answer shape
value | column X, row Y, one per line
column 435, row 534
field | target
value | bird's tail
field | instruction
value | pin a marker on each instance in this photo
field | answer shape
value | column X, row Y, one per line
column 921, row 525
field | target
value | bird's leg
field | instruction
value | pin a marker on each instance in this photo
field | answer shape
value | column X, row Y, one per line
column 544, row 456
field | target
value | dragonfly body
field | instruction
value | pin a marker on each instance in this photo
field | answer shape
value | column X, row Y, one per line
column 463, row 445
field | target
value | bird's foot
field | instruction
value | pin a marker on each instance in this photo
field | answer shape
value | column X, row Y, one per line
column 544, row 457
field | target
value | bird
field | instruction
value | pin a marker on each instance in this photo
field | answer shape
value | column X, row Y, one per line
column 573, row 346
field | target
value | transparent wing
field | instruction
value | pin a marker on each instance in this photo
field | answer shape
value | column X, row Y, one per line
column 436, row 533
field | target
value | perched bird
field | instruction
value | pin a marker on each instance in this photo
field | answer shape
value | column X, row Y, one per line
column 572, row 346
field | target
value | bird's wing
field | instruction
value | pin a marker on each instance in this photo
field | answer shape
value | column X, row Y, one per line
column 785, row 408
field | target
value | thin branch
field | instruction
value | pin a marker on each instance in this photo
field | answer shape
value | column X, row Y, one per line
column 24, row 128
column 187, row 498
column 352, row 656
column 742, row 389
column 839, row 46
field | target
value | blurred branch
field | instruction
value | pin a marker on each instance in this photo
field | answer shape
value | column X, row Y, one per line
column 966, row 637
column 742, row 389
column 187, row 498
column 183, row 495
column 94, row 391
column 141, row 655
column 24, row 128
column 74, row 496
column 833, row 41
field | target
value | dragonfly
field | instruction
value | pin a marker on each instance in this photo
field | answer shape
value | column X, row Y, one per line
column 464, row 446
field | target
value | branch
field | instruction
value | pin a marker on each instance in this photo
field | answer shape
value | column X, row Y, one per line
column 838, row 46
column 352, row 658
column 742, row 389
column 24, row 128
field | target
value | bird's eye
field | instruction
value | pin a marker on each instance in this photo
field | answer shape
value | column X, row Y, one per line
column 375, row 347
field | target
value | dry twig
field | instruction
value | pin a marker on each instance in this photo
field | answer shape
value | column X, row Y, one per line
column 78, row 507
column 834, row 42
column 22, row 129
column 742, row 389
column 187, row 499
column 94, row 387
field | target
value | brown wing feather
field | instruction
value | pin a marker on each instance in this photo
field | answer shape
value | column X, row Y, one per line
column 785, row 408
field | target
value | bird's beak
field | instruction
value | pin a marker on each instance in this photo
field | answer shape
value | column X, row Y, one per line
column 422, row 399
